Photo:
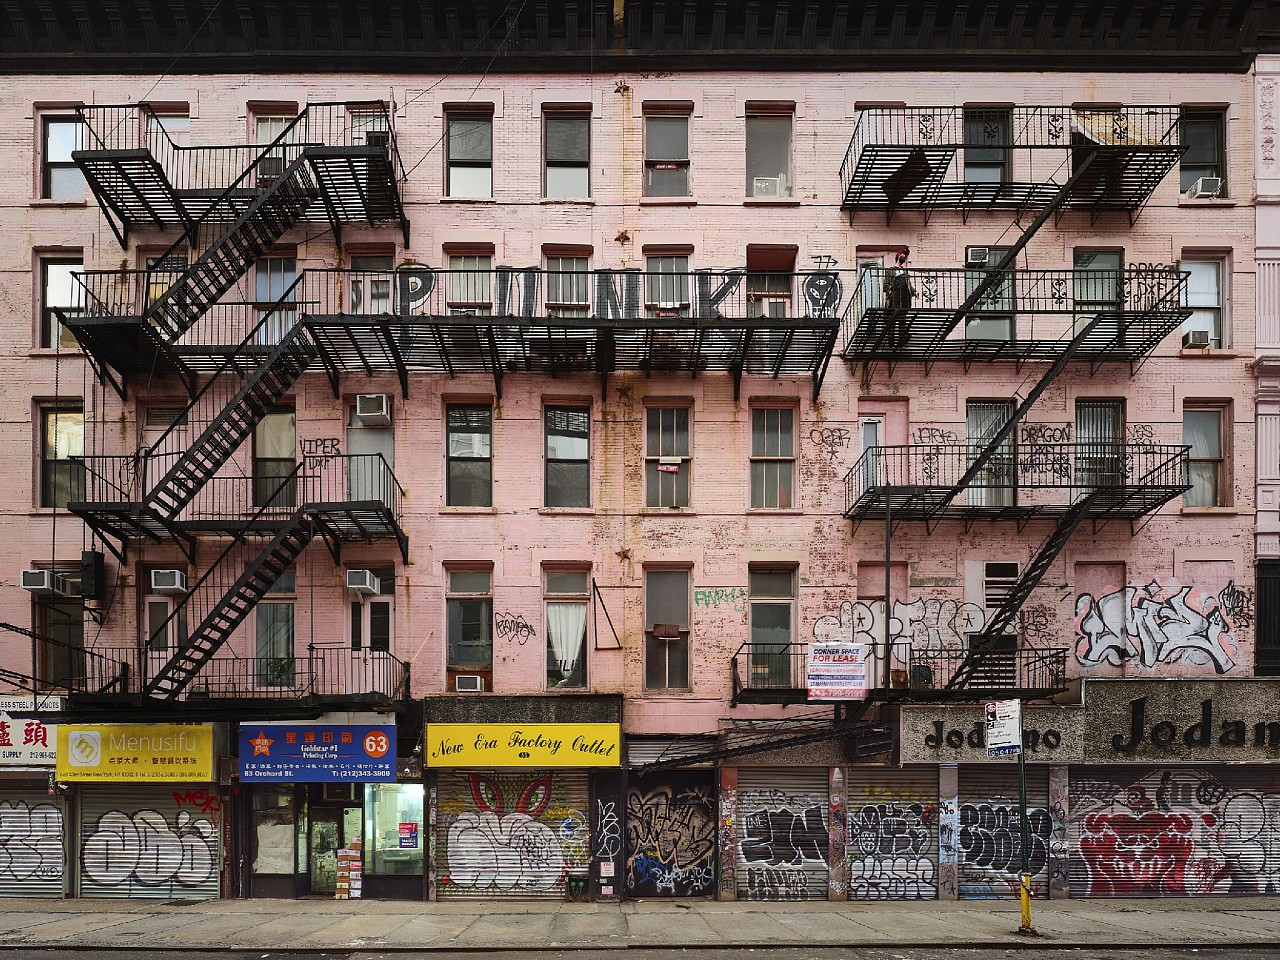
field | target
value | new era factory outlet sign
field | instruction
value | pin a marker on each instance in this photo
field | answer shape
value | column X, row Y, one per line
column 1121, row 721
column 523, row 745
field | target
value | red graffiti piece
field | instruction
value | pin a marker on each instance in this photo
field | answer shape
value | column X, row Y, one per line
column 206, row 801
column 1132, row 855
column 535, row 797
column 486, row 793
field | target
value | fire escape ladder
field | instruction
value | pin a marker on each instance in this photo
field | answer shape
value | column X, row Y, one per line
column 229, row 257
column 983, row 646
column 220, row 609
column 229, row 427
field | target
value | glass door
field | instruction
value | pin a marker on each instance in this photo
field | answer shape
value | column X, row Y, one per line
column 332, row 829
column 994, row 484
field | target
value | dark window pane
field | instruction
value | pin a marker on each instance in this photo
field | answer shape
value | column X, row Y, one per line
column 471, row 139
column 667, row 182
column 569, row 484
column 379, row 626
column 667, row 138
column 470, row 633
column 357, row 625
column 568, row 139
column 469, row 483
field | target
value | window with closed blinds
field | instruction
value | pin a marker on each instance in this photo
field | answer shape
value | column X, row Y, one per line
column 994, row 484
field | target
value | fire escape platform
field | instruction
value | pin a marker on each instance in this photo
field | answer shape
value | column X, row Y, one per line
column 133, row 184
column 128, row 345
column 357, row 183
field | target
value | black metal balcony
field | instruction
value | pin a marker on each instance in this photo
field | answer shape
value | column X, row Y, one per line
column 142, row 178
column 599, row 321
column 1027, row 315
column 776, row 673
column 1020, row 482
column 1012, row 158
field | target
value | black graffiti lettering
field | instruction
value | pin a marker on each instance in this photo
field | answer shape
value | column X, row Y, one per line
column 934, row 435
column 784, row 837
column 830, row 440
column 318, row 451
column 707, row 301
column 891, row 829
column 610, row 304
column 990, row 838
column 513, row 626
column 1044, row 433
column 414, row 287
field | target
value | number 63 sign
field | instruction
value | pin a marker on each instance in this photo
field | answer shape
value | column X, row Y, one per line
column 317, row 753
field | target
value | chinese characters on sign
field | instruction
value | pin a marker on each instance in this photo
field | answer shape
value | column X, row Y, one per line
column 837, row 671
column 317, row 753
column 139, row 751
column 27, row 742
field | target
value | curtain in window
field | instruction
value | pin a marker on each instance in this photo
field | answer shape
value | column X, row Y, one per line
column 567, row 630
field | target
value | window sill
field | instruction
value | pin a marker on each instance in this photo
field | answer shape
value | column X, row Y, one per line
column 1209, row 353
column 668, row 512
column 1209, row 511
column 771, row 202
column 774, row 512
column 51, row 352
column 1206, row 202
column 668, row 202
column 73, row 204
column 468, row 200
column 561, row 691
column 567, row 511
column 569, row 201
column 463, row 511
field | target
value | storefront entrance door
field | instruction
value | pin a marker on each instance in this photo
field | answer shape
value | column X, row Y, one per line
column 332, row 828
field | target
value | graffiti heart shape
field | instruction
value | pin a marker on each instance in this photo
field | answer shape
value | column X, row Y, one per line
column 513, row 852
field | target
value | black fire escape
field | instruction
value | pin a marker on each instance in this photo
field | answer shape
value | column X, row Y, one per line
column 337, row 163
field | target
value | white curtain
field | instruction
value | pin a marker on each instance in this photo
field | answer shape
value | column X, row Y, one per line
column 567, row 630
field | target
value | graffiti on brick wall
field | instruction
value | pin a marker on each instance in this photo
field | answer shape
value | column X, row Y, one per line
column 31, row 842
column 891, row 846
column 145, row 851
column 1157, row 627
column 671, row 836
column 1175, row 833
column 782, row 836
column 926, row 623
column 989, row 848
column 512, row 834
column 728, row 833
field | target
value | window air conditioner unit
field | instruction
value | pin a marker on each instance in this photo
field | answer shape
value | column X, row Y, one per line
column 373, row 409
column 1205, row 187
column 977, row 256
column 49, row 583
column 468, row 683
column 168, row 581
column 766, row 187
column 1195, row 339
column 362, row 581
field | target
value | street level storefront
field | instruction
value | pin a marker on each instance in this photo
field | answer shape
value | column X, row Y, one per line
column 512, row 800
column 330, row 811
column 150, row 812
column 32, row 809
column 670, row 820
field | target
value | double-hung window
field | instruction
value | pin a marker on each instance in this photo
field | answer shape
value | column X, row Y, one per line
column 769, row 155
column 772, row 599
column 61, row 439
column 1204, row 431
column 470, row 285
column 987, row 138
column 773, row 457
column 61, row 179
column 469, row 632
column 567, row 286
column 469, row 480
column 666, row 286
column 60, row 290
column 567, row 147
column 274, row 279
column 469, row 154
column 371, row 284
column 1204, row 297
column 666, row 631
column 666, row 155
column 567, row 593
column 667, row 461
column 275, row 631
column 1203, row 134
column 568, row 456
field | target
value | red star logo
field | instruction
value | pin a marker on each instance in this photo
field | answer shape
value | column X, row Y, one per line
column 262, row 744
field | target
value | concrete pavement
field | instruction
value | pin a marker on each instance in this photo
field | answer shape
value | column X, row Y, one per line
column 386, row 926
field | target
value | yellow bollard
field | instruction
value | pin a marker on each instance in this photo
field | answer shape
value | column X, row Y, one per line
column 1024, row 883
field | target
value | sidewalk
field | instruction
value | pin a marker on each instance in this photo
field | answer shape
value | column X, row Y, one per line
column 389, row 926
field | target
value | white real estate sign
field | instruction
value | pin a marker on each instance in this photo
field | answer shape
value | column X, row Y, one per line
column 1004, row 728
column 837, row 671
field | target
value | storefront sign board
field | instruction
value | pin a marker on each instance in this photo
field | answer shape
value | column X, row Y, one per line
column 169, row 752
column 317, row 753
column 27, row 742
column 523, row 745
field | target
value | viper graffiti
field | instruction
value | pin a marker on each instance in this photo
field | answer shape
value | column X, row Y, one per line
column 671, row 837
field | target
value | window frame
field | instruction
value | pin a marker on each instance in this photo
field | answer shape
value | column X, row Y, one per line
column 470, row 272
column 1217, row 116
column 560, row 275
column 41, row 610
column 684, row 638
column 651, row 163
column 451, row 163
column 657, row 279
column 1222, row 478
column 48, row 476
column 48, row 166
column 450, row 458
column 656, row 459
column 548, row 461
column 269, row 488
column 271, row 670
column 582, row 113
column 776, row 668
column 764, row 459
column 360, row 624
column 48, row 322
column 453, row 596
column 974, row 114
column 788, row 175
column 1218, row 312
column 565, row 597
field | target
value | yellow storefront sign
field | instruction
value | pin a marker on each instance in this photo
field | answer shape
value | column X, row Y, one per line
column 524, row 745
column 135, row 751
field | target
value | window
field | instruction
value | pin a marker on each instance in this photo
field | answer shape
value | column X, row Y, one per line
column 769, row 294
column 60, row 289
column 469, row 155
column 991, row 317
column 162, row 273
column 60, row 658
column 567, row 287
column 1267, row 652
column 470, row 285
column 567, row 145
column 371, row 284
column 469, row 609
column 987, row 144
column 274, row 445
column 666, row 286
column 666, row 156
column 371, row 617
column 567, row 592
column 274, row 279
column 994, row 484
column 998, row 668
column 469, row 482
column 61, row 438
column 667, row 463
column 1202, row 431
column 367, row 476
column 772, row 602
column 773, row 457
column 768, row 155
column 1096, row 288
column 164, row 635
column 1099, row 436
column 274, row 633
column 1204, row 297
column 61, row 179
column 871, row 436
column 1202, row 133
column 266, row 130
column 568, row 456
column 389, row 808
column 170, row 126
column 666, row 632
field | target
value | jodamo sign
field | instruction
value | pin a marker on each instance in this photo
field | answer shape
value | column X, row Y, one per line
column 524, row 745
column 957, row 734
column 136, row 751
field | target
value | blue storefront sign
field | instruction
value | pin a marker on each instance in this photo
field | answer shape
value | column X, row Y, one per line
column 317, row 753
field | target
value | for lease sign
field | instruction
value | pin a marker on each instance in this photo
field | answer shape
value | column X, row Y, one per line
column 837, row 671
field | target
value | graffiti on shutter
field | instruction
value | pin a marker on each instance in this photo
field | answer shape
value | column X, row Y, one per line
column 783, row 841
column 989, row 847
column 1163, row 832
column 893, row 834
column 671, row 835
column 32, row 861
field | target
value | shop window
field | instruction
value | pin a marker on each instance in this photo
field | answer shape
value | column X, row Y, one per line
column 469, row 611
column 372, row 617
column 666, row 155
column 273, row 831
column 62, row 478
column 773, row 458
column 567, row 148
column 568, row 456
column 1204, row 296
column 393, row 828
column 1203, row 430
column 566, row 594
column 59, row 289
column 469, row 481
column 274, row 632
column 1203, row 134
column 772, row 601
column 667, row 462
column 60, row 178
column 60, row 659
column 769, row 155
column 469, row 153
column 666, row 634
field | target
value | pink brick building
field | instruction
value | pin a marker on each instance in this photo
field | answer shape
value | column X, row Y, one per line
column 540, row 421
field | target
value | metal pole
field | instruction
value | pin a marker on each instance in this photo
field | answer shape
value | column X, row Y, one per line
column 1024, row 878
column 888, row 566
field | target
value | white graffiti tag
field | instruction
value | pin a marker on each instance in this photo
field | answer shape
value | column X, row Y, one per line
column 514, row 852
column 145, row 849
column 926, row 623
column 1153, row 625
column 30, row 841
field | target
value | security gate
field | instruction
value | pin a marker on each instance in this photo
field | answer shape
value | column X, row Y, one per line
column 32, row 836
column 671, row 834
column 989, row 844
column 892, row 852
column 782, row 833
